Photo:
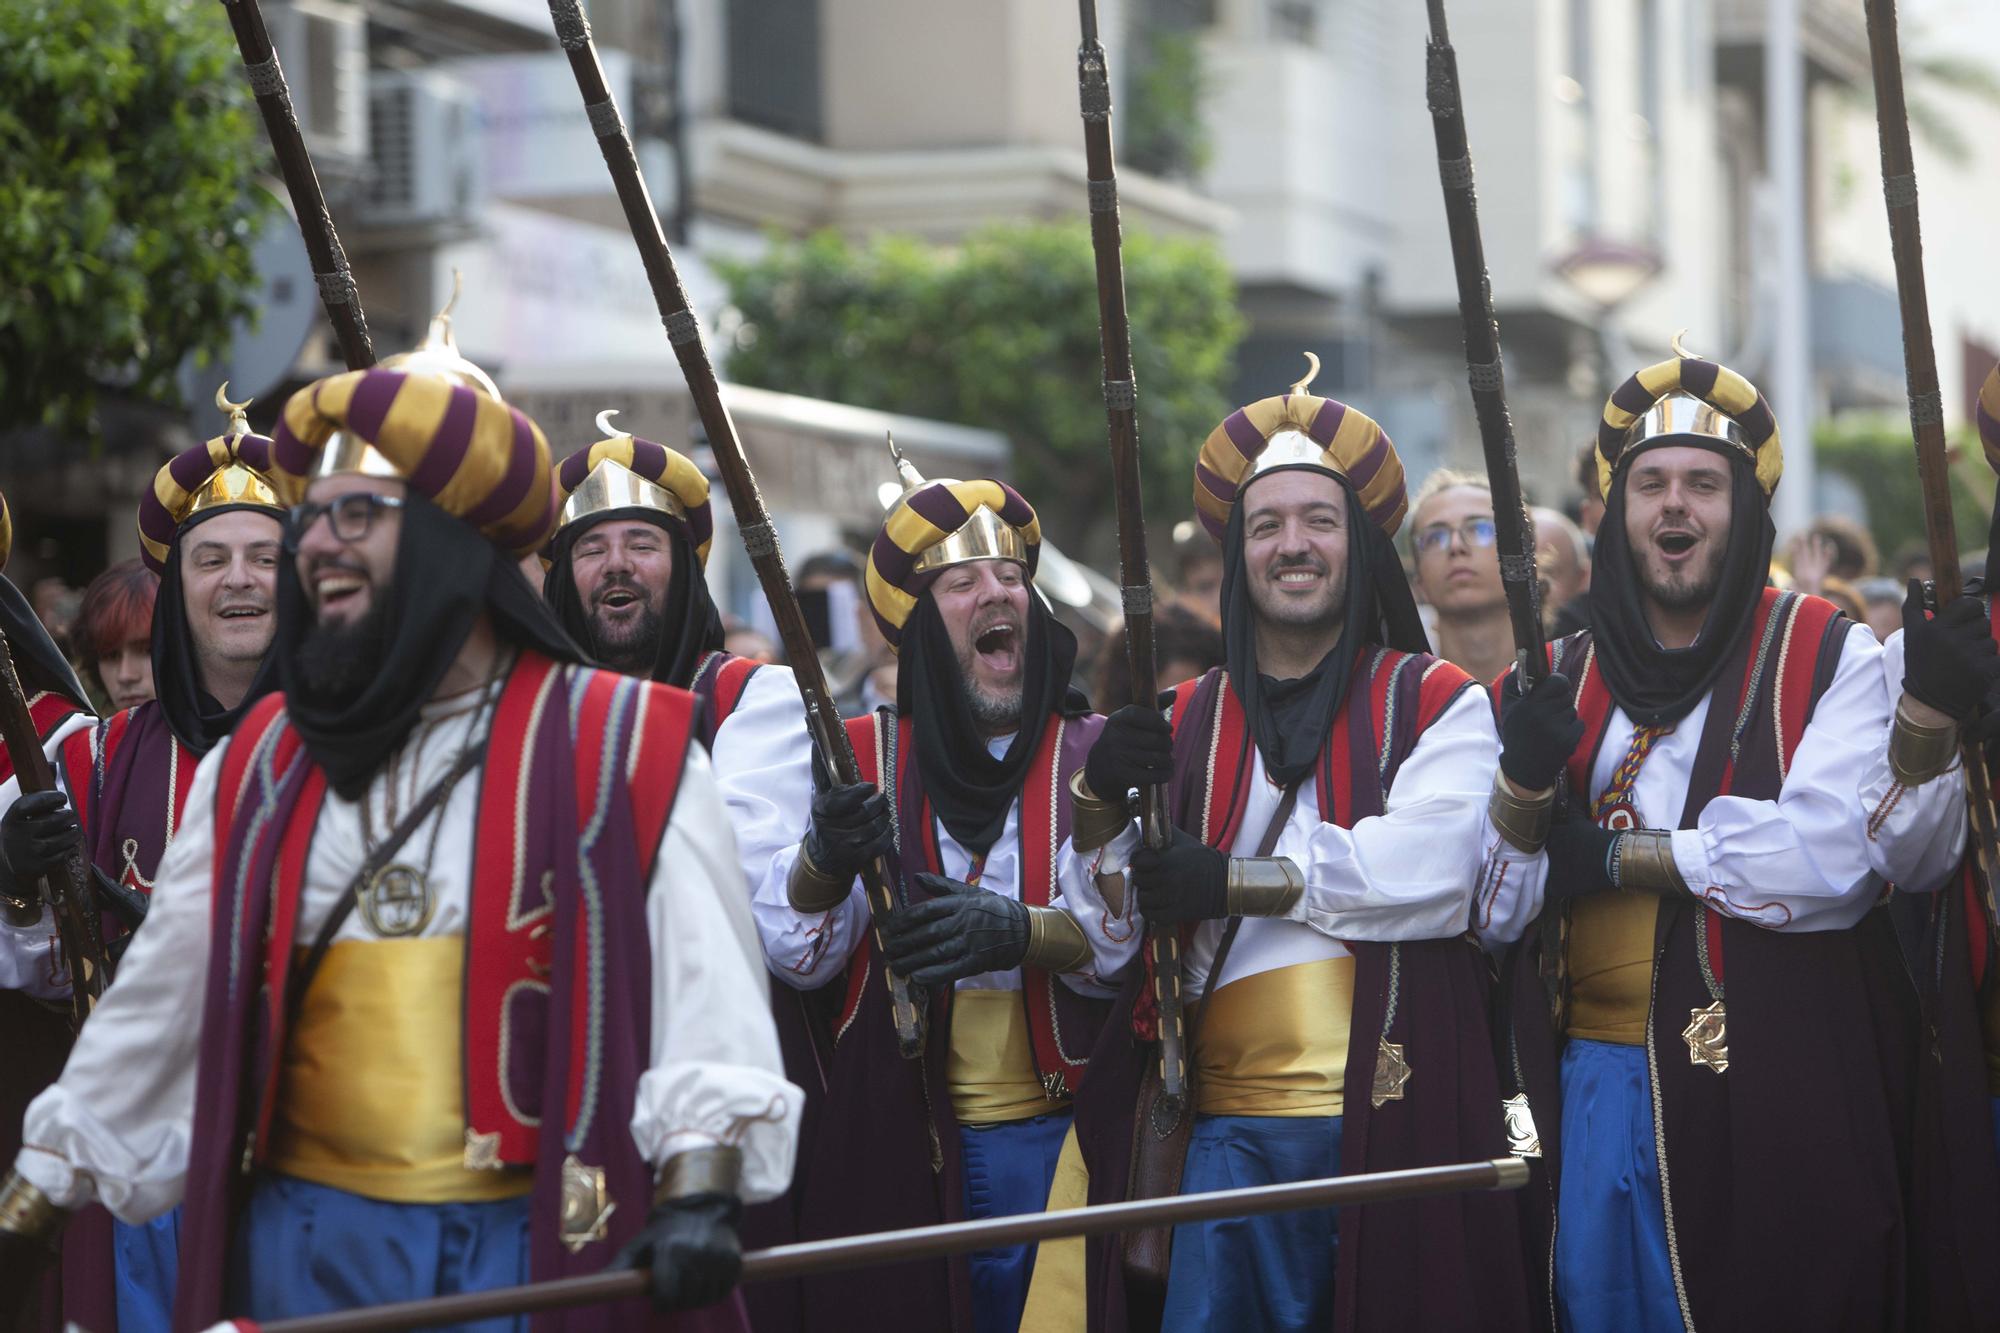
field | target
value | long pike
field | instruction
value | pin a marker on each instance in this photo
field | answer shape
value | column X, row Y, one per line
column 892, row 1247
column 1899, row 192
column 753, row 520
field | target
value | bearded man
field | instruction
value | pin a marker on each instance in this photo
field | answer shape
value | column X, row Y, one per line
column 959, row 796
column 1710, row 969
column 1325, row 787
column 460, row 1031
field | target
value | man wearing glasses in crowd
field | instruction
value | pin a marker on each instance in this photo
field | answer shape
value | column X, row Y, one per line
column 1458, row 572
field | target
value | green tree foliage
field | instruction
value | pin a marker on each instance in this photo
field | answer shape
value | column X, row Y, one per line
column 1002, row 332
column 127, row 200
column 1876, row 454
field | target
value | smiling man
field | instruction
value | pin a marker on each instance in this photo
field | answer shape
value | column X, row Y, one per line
column 984, row 734
column 1709, row 927
column 398, row 890
column 1325, row 790
column 210, row 527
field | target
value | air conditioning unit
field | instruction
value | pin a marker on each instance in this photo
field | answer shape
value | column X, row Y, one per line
column 323, row 47
column 424, row 151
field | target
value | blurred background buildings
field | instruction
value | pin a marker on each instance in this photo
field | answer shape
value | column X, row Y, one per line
column 1628, row 188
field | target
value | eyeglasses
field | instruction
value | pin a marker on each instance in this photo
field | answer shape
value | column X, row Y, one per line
column 1437, row 537
column 350, row 516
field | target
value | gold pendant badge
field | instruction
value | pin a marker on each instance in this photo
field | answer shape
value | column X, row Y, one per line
column 1707, row 1036
column 586, row 1204
column 1392, row 1072
column 1523, row 1140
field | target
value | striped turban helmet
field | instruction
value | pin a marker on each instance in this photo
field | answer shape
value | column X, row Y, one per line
column 457, row 445
column 1688, row 400
column 624, row 472
column 1297, row 430
column 935, row 524
column 231, row 470
column 1987, row 413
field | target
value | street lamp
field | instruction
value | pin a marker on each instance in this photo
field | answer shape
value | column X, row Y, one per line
column 1607, row 273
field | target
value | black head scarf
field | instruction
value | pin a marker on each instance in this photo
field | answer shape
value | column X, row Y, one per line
column 690, row 626
column 968, row 787
column 39, row 663
column 1292, row 718
column 192, row 713
column 1658, row 686
column 446, row 575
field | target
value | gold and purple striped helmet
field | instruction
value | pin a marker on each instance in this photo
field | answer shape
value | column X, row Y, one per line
column 232, row 469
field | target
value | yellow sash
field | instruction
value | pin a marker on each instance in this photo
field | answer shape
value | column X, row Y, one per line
column 1275, row 1043
column 1611, row 966
column 371, row 1097
column 991, row 1065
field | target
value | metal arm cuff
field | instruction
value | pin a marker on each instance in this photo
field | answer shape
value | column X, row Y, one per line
column 811, row 889
column 1643, row 862
column 1918, row 753
column 1263, row 885
column 1093, row 821
column 1055, row 941
column 717, row 1170
column 1522, row 820
column 26, row 1211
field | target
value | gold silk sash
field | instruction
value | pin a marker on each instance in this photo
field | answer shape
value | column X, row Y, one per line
column 371, row 1097
column 1275, row 1043
column 1611, row 966
column 991, row 1066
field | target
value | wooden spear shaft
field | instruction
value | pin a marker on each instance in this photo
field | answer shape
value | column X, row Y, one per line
column 337, row 291
column 1135, row 571
column 1514, row 531
column 753, row 520
column 1906, row 242
column 934, row 1242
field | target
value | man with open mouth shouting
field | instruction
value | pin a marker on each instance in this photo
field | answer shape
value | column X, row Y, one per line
column 625, row 578
column 960, row 796
column 1722, row 1086
column 448, row 966
column 1325, row 787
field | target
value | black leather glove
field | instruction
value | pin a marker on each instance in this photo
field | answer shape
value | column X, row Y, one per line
column 689, row 1245
column 38, row 831
column 1538, row 731
column 127, row 905
column 962, row 931
column 1949, row 660
column 1135, row 749
column 1579, row 859
column 1189, row 881
column 851, row 826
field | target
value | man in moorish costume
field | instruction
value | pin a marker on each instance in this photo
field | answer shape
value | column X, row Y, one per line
column 969, row 765
column 472, row 996
column 1708, row 925
column 1943, row 668
column 1326, row 787
column 210, row 527
column 33, row 1012
column 625, row 579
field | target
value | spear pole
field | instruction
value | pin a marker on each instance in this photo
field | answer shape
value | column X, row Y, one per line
column 935, row 1242
column 1514, row 533
column 1906, row 242
column 753, row 520
column 1135, row 572
column 337, row 291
